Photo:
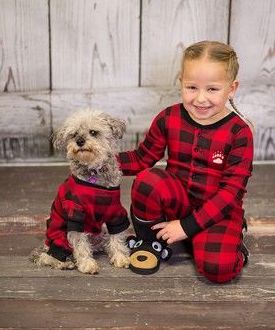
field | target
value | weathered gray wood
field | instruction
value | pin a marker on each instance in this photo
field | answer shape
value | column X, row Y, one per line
column 27, row 119
column 94, row 43
column 252, row 35
column 25, row 125
column 19, row 240
column 24, row 45
column 131, row 104
column 25, row 210
column 170, row 26
column 179, row 266
column 257, row 102
column 139, row 288
column 134, row 315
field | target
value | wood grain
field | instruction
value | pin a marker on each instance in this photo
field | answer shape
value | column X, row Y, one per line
column 128, row 315
column 25, row 125
column 24, row 45
column 252, row 35
column 94, row 43
column 168, row 27
column 179, row 266
column 27, row 119
column 95, row 288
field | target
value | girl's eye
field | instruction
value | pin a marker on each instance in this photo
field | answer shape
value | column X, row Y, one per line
column 192, row 88
column 212, row 89
column 93, row 132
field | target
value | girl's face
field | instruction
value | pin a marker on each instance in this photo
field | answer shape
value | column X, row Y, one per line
column 205, row 89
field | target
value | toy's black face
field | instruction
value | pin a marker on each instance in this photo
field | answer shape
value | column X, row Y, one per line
column 145, row 256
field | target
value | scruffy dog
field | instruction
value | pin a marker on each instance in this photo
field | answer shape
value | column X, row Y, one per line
column 89, row 200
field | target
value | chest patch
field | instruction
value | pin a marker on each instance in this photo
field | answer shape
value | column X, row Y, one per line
column 218, row 157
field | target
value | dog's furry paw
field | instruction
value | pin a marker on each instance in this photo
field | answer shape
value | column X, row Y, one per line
column 88, row 266
column 120, row 260
column 47, row 260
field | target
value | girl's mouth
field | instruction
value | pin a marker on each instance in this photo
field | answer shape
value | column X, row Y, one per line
column 202, row 109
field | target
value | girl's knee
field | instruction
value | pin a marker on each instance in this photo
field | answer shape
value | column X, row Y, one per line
column 148, row 182
column 151, row 175
column 219, row 272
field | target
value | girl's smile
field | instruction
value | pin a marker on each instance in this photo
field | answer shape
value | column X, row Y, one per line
column 206, row 88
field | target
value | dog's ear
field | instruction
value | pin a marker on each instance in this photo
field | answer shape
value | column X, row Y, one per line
column 58, row 138
column 118, row 127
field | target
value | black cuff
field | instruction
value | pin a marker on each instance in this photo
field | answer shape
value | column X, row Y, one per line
column 190, row 225
column 59, row 253
column 75, row 226
column 143, row 228
column 115, row 228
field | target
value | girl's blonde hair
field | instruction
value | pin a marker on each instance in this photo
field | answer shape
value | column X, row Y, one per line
column 218, row 52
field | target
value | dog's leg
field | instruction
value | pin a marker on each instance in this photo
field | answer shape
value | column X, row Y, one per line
column 40, row 257
column 82, row 252
column 118, row 251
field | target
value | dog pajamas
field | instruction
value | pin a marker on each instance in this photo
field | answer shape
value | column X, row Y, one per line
column 203, row 185
column 83, row 207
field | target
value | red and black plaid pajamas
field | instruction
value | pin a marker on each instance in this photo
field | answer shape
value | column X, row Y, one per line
column 83, row 207
column 208, row 167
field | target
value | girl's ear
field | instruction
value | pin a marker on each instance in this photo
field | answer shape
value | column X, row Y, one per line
column 233, row 88
column 180, row 78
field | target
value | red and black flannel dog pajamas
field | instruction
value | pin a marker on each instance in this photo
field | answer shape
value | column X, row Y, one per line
column 83, row 207
column 208, row 167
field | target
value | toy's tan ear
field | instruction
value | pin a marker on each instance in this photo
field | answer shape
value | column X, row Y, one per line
column 118, row 127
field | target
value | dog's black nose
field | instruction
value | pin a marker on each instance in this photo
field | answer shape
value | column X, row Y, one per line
column 80, row 141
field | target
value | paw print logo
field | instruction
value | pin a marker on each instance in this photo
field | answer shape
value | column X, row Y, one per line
column 218, row 157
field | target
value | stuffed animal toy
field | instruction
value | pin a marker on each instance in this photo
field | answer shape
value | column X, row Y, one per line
column 145, row 256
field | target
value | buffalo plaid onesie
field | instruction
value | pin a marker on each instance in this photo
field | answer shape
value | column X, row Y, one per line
column 207, row 170
column 84, row 207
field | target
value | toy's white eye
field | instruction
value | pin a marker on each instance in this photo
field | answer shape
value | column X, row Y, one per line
column 157, row 246
column 131, row 243
column 164, row 254
column 138, row 243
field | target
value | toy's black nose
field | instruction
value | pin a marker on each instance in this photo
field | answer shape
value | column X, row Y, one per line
column 80, row 141
column 142, row 258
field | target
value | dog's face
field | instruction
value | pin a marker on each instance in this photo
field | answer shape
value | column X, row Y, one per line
column 89, row 136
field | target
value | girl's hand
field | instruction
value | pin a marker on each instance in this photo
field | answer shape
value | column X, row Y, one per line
column 170, row 231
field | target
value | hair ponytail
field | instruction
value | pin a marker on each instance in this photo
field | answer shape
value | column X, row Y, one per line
column 249, row 123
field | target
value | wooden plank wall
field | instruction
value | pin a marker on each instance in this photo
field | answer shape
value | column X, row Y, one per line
column 122, row 56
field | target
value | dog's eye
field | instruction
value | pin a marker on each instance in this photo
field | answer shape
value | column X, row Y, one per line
column 93, row 132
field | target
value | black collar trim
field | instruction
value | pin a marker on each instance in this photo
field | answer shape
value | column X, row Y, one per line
column 89, row 184
column 191, row 121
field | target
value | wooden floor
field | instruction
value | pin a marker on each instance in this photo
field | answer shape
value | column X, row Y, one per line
column 174, row 298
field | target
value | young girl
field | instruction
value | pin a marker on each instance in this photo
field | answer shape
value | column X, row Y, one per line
column 199, row 196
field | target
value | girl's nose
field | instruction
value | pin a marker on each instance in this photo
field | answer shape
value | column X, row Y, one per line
column 201, row 97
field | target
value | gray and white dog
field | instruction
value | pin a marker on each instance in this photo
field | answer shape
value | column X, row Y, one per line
column 90, row 139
